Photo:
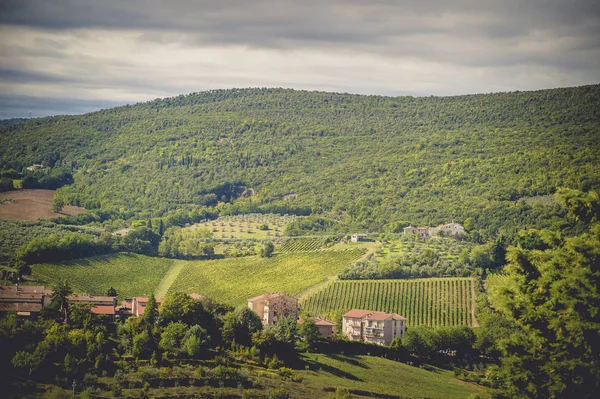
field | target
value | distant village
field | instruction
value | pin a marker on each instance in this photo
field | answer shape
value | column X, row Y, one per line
column 357, row 324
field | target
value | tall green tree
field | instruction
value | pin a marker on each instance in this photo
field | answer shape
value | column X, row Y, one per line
column 151, row 312
column 553, row 298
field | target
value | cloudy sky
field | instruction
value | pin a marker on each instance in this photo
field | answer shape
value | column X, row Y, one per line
column 76, row 56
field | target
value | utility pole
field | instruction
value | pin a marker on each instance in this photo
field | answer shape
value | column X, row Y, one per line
column 74, row 385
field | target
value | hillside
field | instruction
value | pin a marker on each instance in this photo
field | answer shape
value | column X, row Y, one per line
column 367, row 161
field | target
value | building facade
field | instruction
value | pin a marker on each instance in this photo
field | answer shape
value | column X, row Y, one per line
column 270, row 307
column 370, row 326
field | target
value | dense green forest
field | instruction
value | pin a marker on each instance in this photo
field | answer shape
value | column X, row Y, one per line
column 365, row 161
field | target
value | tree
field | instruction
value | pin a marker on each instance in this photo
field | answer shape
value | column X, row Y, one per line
column 309, row 331
column 552, row 297
column 6, row 184
column 239, row 325
column 59, row 297
column 179, row 306
column 57, row 203
column 196, row 339
column 267, row 250
column 172, row 336
column 111, row 292
column 151, row 312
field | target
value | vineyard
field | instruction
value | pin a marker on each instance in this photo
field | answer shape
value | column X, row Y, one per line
column 302, row 244
column 130, row 274
column 432, row 301
column 233, row 280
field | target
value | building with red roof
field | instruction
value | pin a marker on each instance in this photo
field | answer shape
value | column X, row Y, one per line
column 371, row 326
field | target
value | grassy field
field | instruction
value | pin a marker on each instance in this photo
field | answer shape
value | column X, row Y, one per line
column 233, row 280
column 383, row 377
column 247, row 226
column 428, row 301
column 130, row 274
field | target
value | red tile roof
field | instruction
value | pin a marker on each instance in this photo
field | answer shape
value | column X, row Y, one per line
column 372, row 315
column 20, row 307
column 103, row 309
column 323, row 322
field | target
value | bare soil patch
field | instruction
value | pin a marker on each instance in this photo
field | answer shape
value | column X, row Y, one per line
column 32, row 205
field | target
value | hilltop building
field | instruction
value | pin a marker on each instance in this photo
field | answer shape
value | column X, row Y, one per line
column 370, row 326
column 272, row 306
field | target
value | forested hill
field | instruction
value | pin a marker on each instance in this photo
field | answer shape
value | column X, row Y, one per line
column 365, row 160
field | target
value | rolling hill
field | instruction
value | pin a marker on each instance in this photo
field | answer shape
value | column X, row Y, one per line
column 367, row 161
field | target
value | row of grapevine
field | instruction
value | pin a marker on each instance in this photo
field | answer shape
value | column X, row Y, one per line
column 302, row 244
column 431, row 301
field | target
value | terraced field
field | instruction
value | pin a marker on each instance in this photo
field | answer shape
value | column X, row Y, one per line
column 233, row 280
column 431, row 301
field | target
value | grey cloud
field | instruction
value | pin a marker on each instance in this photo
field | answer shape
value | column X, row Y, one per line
column 18, row 106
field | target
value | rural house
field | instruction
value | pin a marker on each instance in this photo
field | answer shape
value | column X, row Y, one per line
column 102, row 305
column 357, row 237
column 376, row 327
column 326, row 327
column 272, row 306
column 24, row 300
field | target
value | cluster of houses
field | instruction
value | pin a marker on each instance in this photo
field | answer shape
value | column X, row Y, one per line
column 424, row 233
column 357, row 325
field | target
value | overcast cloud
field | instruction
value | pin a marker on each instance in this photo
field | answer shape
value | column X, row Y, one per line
column 75, row 56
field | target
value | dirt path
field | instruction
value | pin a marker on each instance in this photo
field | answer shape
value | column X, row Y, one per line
column 169, row 279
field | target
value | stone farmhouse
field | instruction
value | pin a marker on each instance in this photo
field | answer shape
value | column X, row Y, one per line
column 370, row 326
column 424, row 233
column 357, row 237
column 271, row 307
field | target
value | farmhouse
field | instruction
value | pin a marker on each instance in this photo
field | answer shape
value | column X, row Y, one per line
column 357, row 237
column 102, row 305
column 371, row 326
column 35, row 167
column 24, row 300
column 326, row 327
column 424, row 233
column 410, row 230
column 274, row 305
column 452, row 229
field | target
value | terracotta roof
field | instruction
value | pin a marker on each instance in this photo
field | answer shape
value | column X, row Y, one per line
column 142, row 299
column 20, row 307
column 323, row 322
column 103, row 309
column 372, row 315
column 21, row 292
column 91, row 298
column 271, row 296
